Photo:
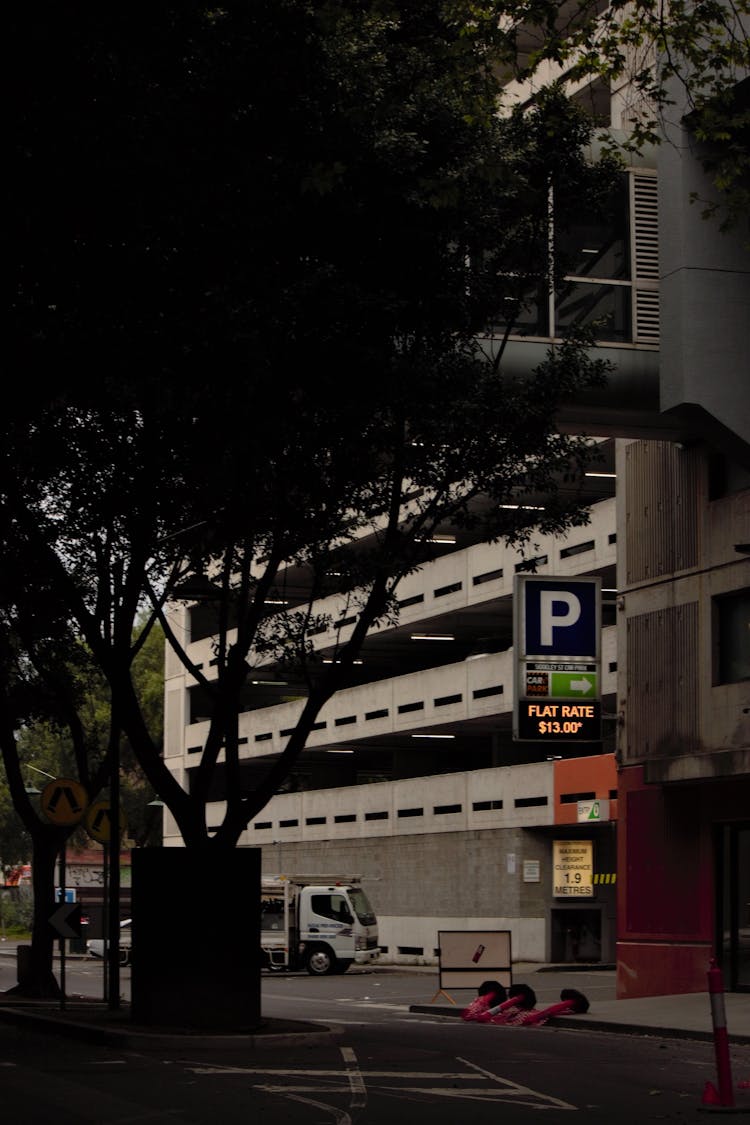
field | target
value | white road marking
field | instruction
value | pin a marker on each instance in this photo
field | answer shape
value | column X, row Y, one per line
column 372, row 1004
column 283, row 1072
column 497, row 1088
column 494, row 1087
column 340, row 1116
column 356, row 1081
column 515, row 1085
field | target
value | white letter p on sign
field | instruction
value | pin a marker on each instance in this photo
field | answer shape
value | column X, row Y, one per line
column 548, row 620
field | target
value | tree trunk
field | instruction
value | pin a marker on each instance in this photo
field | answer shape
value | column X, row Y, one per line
column 36, row 976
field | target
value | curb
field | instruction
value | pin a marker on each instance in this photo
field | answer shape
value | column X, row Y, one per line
column 579, row 1023
column 143, row 1038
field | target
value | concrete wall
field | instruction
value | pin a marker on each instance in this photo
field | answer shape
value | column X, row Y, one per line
column 705, row 295
column 680, row 557
column 422, row 884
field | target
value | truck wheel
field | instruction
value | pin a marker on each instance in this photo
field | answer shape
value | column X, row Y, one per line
column 320, row 962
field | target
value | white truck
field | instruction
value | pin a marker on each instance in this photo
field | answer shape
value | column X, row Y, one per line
column 321, row 923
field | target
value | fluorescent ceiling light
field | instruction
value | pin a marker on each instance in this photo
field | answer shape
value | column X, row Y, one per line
column 433, row 736
column 329, row 660
column 277, row 601
column 607, row 476
column 432, row 637
column 270, row 683
column 525, row 507
column 437, row 539
column 339, row 751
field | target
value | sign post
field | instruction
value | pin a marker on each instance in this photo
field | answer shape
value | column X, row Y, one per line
column 557, row 642
column 64, row 802
column 100, row 827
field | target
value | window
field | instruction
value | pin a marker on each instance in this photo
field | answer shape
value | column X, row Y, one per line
column 577, row 549
column 331, row 906
column 596, row 100
column 609, row 262
column 597, row 245
column 732, row 631
column 271, row 914
column 604, row 308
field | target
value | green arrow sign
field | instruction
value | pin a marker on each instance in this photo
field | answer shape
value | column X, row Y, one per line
column 574, row 685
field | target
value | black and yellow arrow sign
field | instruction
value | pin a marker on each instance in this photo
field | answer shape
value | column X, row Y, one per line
column 64, row 801
column 99, row 822
column 66, row 920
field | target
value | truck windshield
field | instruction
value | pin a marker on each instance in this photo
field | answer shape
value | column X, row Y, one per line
column 361, row 905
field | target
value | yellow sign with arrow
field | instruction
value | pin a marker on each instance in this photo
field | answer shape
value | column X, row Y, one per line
column 99, row 822
column 64, row 801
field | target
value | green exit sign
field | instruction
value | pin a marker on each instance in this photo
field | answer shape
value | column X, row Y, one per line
column 574, row 685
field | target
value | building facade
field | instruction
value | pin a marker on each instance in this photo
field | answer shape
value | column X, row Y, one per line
column 413, row 778
column 684, row 640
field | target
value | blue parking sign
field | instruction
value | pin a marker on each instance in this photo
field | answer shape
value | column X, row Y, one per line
column 560, row 617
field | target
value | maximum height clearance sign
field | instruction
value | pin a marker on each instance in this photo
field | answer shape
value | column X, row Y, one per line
column 557, row 641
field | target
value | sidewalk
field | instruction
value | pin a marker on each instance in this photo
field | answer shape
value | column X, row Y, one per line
column 686, row 1016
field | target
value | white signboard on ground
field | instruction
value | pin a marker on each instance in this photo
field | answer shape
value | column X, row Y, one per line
column 468, row 957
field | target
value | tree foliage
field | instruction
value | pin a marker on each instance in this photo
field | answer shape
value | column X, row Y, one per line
column 251, row 307
column 15, row 842
column 56, row 721
column 680, row 61
column 45, row 746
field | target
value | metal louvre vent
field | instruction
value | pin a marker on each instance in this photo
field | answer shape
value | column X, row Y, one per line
column 645, row 258
column 646, row 316
column 645, row 228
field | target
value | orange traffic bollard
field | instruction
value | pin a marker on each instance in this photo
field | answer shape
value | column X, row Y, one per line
column 724, row 1096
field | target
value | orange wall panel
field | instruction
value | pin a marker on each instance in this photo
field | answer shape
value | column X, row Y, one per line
column 596, row 774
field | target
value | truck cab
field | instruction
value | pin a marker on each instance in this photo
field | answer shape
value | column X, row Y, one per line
column 323, row 925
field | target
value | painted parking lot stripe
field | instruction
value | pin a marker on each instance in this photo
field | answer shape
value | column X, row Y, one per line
column 485, row 1085
column 356, row 1081
column 516, row 1087
column 340, row 1116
